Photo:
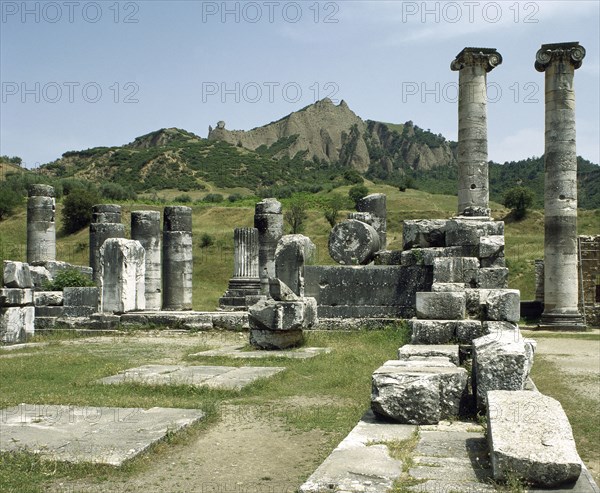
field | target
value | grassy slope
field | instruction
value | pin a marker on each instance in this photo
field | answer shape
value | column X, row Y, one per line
column 214, row 266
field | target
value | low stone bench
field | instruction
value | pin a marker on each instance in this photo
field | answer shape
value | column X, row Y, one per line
column 530, row 436
column 418, row 392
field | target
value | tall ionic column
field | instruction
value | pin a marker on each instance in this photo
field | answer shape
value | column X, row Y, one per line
column 145, row 228
column 106, row 223
column 178, row 261
column 268, row 219
column 473, row 64
column 245, row 280
column 41, row 226
column 561, row 293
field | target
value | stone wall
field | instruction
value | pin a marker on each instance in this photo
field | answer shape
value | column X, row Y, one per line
column 589, row 248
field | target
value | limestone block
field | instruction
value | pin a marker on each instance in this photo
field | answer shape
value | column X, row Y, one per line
column 476, row 302
column 441, row 305
column 281, row 315
column 499, row 363
column 408, row 393
column 16, row 297
column 268, row 206
column 280, row 292
column 530, row 436
column 81, row 296
column 467, row 330
column 503, row 304
column 469, row 232
column 491, row 246
column 410, row 351
column 440, row 287
column 353, row 242
column 493, row 262
column 55, row 266
column 49, row 311
column 432, row 331
column 16, row 324
column 426, row 256
column 122, row 269
column 39, row 275
column 290, row 257
column 17, row 275
column 365, row 217
column 48, row 298
column 424, row 233
column 456, row 269
column 492, row 278
column 388, row 257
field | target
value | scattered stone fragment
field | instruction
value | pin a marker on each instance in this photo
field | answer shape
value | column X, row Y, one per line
column 441, row 305
column 503, row 304
column 17, row 275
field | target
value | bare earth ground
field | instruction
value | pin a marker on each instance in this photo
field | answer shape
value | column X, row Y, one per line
column 255, row 452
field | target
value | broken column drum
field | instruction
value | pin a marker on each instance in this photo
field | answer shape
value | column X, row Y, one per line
column 473, row 64
column 561, row 293
column 41, row 226
column 268, row 219
column 353, row 242
column 106, row 223
column 375, row 204
column 145, row 228
column 178, row 260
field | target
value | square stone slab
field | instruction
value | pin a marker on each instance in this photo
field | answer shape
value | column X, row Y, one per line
column 218, row 377
column 101, row 435
column 239, row 353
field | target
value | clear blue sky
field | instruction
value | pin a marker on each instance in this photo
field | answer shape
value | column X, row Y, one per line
column 83, row 74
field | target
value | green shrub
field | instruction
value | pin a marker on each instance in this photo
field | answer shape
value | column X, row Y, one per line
column 69, row 278
column 184, row 198
column 9, row 200
column 77, row 209
column 213, row 198
column 518, row 199
column 206, row 240
column 357, row 192
column 116, row 191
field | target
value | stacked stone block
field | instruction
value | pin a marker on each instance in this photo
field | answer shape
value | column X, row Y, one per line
column 268, row 220
column 17, row 312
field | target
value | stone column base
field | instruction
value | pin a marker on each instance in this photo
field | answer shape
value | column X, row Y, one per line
column 562, row 321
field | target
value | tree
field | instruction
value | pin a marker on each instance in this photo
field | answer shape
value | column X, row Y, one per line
column 296, row 215
column 9, row 199
column 518, row 199
column 332, row 208
column 77, row 209
column 357, row 192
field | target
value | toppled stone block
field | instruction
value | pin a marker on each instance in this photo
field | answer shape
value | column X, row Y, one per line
column 456, row 270
column 17, row 275
column 467, row 330
column 16, row 297
column 441, row 306
column 492, row 278
column 16, row 324
column 40, row 276
column 48, row 298
column 440, row 287
column 530, row 437
column 500, row 362
column 353, row 242
column 503, row 305
column 279, row 291
column 409, row 393
column 424, row 233
column 411, row 351
column 432, row 331
column 491, row 246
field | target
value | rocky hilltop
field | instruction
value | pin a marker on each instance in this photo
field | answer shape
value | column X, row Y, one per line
column 335, row 134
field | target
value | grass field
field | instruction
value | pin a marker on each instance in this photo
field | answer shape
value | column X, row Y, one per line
column 213, row 266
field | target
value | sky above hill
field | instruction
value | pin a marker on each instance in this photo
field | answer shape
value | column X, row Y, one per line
column 78, row 74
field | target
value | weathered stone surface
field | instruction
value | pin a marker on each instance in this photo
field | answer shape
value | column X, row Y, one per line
column 178, row 319
column 282, row 315
column 388, row 257
column 39, row 275
column 353, row 242
column 467, row 232
column 280, row 292
column 268, row 220
column 492, row 278
column 491, row 246
column 48, row 298
column 441, row 306
column 439, row 287
column 290, row 257
column 418, row 395
column 467, row 330
column 106, row 214
column 177, row 218
column 432, row 331
column 493, row 262
column 347, row 291
column 81, row 296
column 16, row 297
column 49, row 311
column 500, row 362
column 503, row 305
column 410, row 351
column 16, row 324
column 145, row 228
column 424, row 233
column 178, row 266
column 375, row 204
column 99, row 233
column 56, row 266
column 530, row 437
column 17, row 275
column 122, row 267
column 276, row 339
column 268, row 206
column 456, row 270
column 41, row 226
column 426, row 256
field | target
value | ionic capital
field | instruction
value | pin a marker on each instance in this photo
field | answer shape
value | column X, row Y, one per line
column 488, row 58
column 572, row 53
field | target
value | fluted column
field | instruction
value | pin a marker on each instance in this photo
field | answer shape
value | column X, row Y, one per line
column 41, row 226
column 145, row 228
column 268, row 219
column 561, row 290
column 178, row 261
column 106, row 223
column 473, row 64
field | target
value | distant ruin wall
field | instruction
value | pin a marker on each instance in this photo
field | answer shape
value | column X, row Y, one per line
column 590, row 277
